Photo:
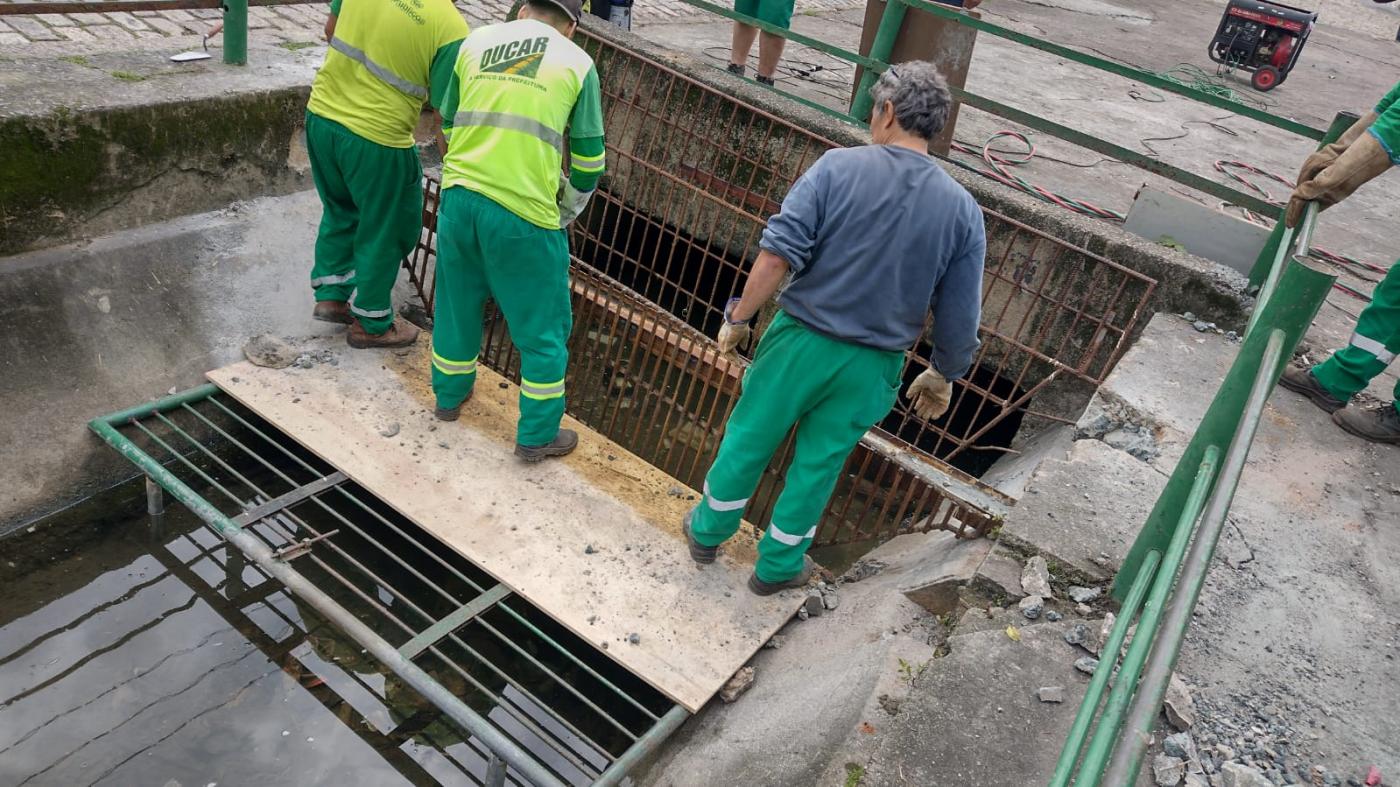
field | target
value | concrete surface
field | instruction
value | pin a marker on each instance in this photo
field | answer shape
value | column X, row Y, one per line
column 97, row 326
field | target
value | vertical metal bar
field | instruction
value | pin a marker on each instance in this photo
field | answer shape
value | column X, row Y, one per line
column 155, row 497
column 1301, row 291
column 236, row 32
column 890, row 21
column 495, row 772
column 1127, row 757
column 1267, row 255
column 638, row 751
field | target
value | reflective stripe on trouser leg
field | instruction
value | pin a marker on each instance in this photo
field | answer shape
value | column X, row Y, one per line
column 1373, row 345
column 387, row 186
column 461, row 300
column 527, row 270
column 333, row 271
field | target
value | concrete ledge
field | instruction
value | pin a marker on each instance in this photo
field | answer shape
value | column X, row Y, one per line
column 117, row 140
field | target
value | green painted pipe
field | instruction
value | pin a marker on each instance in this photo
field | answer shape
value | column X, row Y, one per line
column 1088, row 708
column 197, row 394
column 236, row 32
column 1269, row 255
column 891, row 19
column 1106, row 734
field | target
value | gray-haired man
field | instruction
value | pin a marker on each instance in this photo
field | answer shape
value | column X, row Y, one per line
column 873, row 237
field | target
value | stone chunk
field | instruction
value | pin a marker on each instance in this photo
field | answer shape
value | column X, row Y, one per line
column 1035, row 578
column 1051, row 694
column 1083, row 595
column 1077, row 635
column 814, row 604
column 1178, row 705
column 737, row 685
column 1168, row 771
column 1087, row 665
column 1233, row 774
column 1179, row 745
column 269, row 351
column 1032, row 606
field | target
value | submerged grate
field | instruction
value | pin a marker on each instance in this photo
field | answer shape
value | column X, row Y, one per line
column 584, row 718
column 692, row 175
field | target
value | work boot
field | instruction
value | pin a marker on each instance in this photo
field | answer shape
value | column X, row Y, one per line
column 736, row 69
column 698, row 552
column 451, row 413
column 332, row 311
column 763, row 80
column 1380, row 424
column 762, row 588
column 400, row 334
column 1303, row 381
column 564, row 442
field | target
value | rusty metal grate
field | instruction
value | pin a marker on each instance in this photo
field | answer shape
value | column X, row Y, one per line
column 692, row 175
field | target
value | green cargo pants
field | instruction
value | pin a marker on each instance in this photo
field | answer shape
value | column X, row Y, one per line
column 1373, row 346
column 485, row 251
column 833, row 392
column 371, row 216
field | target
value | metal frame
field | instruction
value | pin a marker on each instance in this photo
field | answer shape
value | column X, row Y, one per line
column 425, row 615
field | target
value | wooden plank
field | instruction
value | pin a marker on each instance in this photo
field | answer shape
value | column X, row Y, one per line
column 530, row 526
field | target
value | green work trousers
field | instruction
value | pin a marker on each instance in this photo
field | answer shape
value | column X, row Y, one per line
column 833, row 392
column 485, row 251
column 1373, row 345
column 371, row 217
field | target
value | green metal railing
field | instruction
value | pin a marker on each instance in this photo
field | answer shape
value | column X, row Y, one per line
column 882, row 46
column 1160, row 580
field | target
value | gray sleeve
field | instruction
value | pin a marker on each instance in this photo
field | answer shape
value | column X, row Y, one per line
column 792, row 233
column 957, row 305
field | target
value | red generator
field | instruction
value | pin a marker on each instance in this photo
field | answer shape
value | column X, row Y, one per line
column 1262, row 38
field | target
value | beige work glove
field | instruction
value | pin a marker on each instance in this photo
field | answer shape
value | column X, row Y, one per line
column 930, row 395
column 1327, row 154
column 571, row 203
column 731, row 333
column 1363, row 159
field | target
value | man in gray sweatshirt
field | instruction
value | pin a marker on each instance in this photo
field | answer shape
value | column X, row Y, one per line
column 873, row 238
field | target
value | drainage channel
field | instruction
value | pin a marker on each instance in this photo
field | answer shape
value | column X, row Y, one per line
column 463, row 666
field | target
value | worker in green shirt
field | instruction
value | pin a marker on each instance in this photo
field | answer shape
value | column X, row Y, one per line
column 519, row 90
column 385, row 60
column 1371, row 146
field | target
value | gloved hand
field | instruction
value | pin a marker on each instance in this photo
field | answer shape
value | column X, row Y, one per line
column 732, row 333
column 571, row 202
column 1324, row 157
column 930, row 395
column 1362, row 160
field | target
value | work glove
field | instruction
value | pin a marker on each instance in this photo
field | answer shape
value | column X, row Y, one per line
column 571, row 202
column 1327, row 154
column 733, row 332
column 930, row 395
column 1362, row 160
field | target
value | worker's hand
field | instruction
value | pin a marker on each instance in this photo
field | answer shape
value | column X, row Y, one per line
column 930, row 395
column 733, row 332
column 1328, row 154
column 571, row 203
column 1362, row 160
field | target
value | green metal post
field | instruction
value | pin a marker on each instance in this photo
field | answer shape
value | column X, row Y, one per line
column 880, row 48
column 1267, row 255
column 1301, row 291
column 236, row 32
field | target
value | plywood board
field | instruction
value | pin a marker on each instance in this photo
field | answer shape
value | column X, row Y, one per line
column 593, row 539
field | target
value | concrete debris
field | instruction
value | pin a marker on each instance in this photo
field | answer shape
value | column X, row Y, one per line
column 1178, row 705
column 1233, row 774
column 1179, row 745
column 1083, row 610
column 1077, row 635
column 1035, row 578
column 1087, row 665
column 1002, row 576
column 444, row 444
column 634, row 638
column 737, row 685
column 1083, row 595
column 829, row 599
column 1053, row 616
column 389, row 429
column 1139, row 442
column 1202, row 326
column 1168, row 771
column 269, row 351
column 309, row 360
column 863, row 569
column 1105, row 628
column 814, row 604
column 775, row 642
column 1188, row 316
column 1051, row 694
column 1032, row 606
column 676, row 491
column 802, row 613
column 1194, row 780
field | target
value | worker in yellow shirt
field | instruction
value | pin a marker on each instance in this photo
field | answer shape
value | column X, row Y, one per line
column 385, row 60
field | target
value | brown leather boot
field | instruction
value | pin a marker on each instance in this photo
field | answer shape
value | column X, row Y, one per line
column 1379, row 424
column 332, row 311
column 1299, row 380
column 400, row 334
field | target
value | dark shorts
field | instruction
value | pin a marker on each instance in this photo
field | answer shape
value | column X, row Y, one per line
column 774, row 12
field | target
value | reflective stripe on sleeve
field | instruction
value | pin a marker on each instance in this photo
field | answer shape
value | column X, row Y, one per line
column 512, row 122
column 788, row 538
column 385, row 75
column 723, row 505
column 453, row 367
column 588, row 164
column 321, row 281
column 1373, row 347
column 533, row 390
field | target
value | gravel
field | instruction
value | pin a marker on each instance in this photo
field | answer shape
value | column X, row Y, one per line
column 1032, row 606
column 1083, row 595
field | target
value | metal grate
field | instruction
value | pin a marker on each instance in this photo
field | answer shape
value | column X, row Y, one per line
column 583, row 717
column 692, row 175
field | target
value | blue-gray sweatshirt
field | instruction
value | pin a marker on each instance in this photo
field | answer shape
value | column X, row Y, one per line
column 876, row 236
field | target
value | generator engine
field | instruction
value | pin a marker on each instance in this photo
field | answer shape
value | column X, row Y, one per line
column 1261, row 38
